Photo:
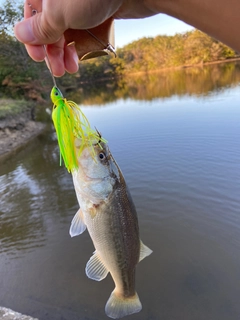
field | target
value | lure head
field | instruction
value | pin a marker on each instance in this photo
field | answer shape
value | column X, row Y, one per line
column 56, row 95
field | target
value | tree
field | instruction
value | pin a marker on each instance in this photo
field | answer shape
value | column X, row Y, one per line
column 19, row 75
column 10, row 12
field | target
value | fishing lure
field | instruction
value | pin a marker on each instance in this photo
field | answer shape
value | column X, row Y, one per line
column 70, row 123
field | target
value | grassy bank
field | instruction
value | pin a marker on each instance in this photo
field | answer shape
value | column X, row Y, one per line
column 9, row 107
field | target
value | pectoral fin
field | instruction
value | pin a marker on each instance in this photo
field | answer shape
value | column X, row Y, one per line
column 144, row 251
column 95, row 269
column 77, row 225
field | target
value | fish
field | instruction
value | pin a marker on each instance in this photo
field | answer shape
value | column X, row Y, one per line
column 108, row 213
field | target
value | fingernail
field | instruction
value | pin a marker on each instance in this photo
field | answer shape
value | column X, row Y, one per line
column 71, row 44
column 24, row 32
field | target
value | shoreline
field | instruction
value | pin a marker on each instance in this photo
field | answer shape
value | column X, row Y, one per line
column 163, row 69
column 184, row 66
column 16, row 132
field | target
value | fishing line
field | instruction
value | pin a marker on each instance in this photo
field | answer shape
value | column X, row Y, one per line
column 49, row 66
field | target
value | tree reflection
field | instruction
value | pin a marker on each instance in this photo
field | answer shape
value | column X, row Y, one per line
column 196, row 81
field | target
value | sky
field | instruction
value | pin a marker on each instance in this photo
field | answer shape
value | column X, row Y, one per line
column 127, row 31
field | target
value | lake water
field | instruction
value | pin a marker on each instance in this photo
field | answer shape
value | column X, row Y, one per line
column 179, row 151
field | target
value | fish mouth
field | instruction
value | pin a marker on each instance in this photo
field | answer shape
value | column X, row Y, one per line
column 94, row 179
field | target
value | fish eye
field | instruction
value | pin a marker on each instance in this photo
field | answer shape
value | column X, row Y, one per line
column 56, row 93
column 102, row 156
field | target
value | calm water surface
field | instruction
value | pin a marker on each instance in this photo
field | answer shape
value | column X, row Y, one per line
column 180, row 156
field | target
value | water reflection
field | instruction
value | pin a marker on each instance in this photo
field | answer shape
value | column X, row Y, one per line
column 26, row 194
column 196, row 81
column 180, row 158
column 16, row 229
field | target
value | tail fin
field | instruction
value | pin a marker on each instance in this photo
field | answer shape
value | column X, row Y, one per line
column 118, row 307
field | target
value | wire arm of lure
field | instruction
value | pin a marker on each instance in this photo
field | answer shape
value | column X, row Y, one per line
column 108, row 47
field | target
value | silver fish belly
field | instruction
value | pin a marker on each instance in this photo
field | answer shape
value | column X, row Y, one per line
column 109, row 214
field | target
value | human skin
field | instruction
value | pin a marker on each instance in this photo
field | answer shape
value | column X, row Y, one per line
column 218, row 18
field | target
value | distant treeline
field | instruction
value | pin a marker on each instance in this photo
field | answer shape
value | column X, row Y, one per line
column 151, row 54
column 22, row 77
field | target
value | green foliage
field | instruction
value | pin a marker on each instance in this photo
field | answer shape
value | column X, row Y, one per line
column 20, row 76
column 10, row 12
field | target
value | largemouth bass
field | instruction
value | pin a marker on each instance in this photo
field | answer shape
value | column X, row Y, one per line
column 108, row 212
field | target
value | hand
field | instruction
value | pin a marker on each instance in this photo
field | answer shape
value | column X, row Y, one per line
column 47, row 26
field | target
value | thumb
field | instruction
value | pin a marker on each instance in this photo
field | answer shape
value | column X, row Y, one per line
column 37, row 31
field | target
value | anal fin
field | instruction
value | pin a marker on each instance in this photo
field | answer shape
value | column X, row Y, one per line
column 77, row 225
column 95, row 269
